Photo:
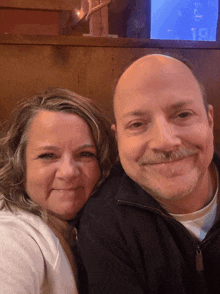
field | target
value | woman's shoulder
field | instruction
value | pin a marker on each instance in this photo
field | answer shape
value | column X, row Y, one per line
column 26, row 229
column 21, row 257
column 28, row 247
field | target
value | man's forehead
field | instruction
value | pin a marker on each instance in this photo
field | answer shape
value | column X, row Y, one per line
column 154, row 71
column 153, row 65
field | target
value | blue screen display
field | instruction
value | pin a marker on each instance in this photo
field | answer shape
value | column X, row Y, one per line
column 184, row 19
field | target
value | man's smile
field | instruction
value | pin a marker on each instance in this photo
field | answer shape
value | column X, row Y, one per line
column 171, row 168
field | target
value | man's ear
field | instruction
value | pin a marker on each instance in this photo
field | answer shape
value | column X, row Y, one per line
column 114, row 129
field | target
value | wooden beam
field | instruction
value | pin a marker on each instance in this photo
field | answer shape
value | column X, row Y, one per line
column 78, row 41
column 53, row 5
column 72, row 41
column 98, row 23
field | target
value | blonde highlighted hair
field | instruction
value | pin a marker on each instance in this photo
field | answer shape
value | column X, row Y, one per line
column 13, row 142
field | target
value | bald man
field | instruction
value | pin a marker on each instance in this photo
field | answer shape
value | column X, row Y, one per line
column 153, row 227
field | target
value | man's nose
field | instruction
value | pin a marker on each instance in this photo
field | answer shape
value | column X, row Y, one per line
column 68, row 168
column 163, row 136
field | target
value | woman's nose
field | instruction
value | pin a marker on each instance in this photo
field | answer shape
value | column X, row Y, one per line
column 68, row 169
column 163, row 136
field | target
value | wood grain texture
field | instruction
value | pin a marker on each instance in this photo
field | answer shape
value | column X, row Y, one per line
column 98, row 23
column 91, row 71
column 40, row 4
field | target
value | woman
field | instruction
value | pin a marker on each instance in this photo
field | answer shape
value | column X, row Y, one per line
column 55, row 152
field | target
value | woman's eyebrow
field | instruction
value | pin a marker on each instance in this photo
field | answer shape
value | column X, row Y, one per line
column 47, row 147
column 53, row 147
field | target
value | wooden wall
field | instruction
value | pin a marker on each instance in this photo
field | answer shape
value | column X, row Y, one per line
column 87, row 66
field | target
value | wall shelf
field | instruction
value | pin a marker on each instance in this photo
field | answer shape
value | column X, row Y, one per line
column 103, row 42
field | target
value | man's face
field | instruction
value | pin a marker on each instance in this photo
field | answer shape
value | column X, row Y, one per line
column 164, row 134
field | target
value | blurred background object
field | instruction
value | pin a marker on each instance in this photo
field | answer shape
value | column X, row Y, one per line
column 184, row 19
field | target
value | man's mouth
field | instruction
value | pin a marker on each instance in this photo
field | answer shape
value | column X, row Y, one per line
column 170, row 161
column 172, row 168
column 167, row 157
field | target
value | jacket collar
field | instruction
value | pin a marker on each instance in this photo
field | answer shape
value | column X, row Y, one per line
column 130, row 193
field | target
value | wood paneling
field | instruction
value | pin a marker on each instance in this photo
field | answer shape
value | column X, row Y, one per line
column 71, row 41
column 90, row 70
column 106, row 42
column 40, row 4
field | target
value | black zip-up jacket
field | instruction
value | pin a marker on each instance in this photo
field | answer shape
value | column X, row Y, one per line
column 130, row 245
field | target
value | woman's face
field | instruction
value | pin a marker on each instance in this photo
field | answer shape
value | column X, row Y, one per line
column 61, row 163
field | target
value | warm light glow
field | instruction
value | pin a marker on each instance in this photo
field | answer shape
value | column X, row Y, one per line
column 78, row 13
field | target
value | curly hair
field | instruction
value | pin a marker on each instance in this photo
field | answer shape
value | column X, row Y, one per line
column 13, row 142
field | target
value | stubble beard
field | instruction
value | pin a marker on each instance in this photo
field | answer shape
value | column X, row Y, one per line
column 171, row 186
column 171, row 189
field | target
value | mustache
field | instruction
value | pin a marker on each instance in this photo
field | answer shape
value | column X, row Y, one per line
column 166, row 156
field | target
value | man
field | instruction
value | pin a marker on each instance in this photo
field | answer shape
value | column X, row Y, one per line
column 153, row 226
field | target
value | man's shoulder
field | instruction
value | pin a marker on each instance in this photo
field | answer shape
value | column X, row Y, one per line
column 104, row 199
column 116, row 171
column 111, row 185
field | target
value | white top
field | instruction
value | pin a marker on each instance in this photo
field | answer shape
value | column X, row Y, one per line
column 200, row 222
column 32, row 260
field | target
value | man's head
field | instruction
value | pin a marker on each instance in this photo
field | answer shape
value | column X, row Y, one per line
column 163, row 129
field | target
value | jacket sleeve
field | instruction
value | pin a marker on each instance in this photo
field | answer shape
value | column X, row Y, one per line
column 105, row 254
column 21, row 261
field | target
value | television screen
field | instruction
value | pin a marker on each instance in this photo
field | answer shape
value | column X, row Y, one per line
column 184, row 19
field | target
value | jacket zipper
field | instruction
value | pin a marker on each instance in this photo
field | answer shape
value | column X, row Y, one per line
column 199, row 260
column 199, row 256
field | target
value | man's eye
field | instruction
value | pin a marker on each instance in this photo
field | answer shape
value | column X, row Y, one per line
column 184, row 114
column 47, row 156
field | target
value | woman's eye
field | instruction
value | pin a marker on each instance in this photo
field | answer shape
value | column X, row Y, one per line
column 87, row 154
column 136, row 125
column 47, row 156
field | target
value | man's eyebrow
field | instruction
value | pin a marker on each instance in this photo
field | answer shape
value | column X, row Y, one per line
column 135, row 113
column 175, row 106
column 179, row 104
